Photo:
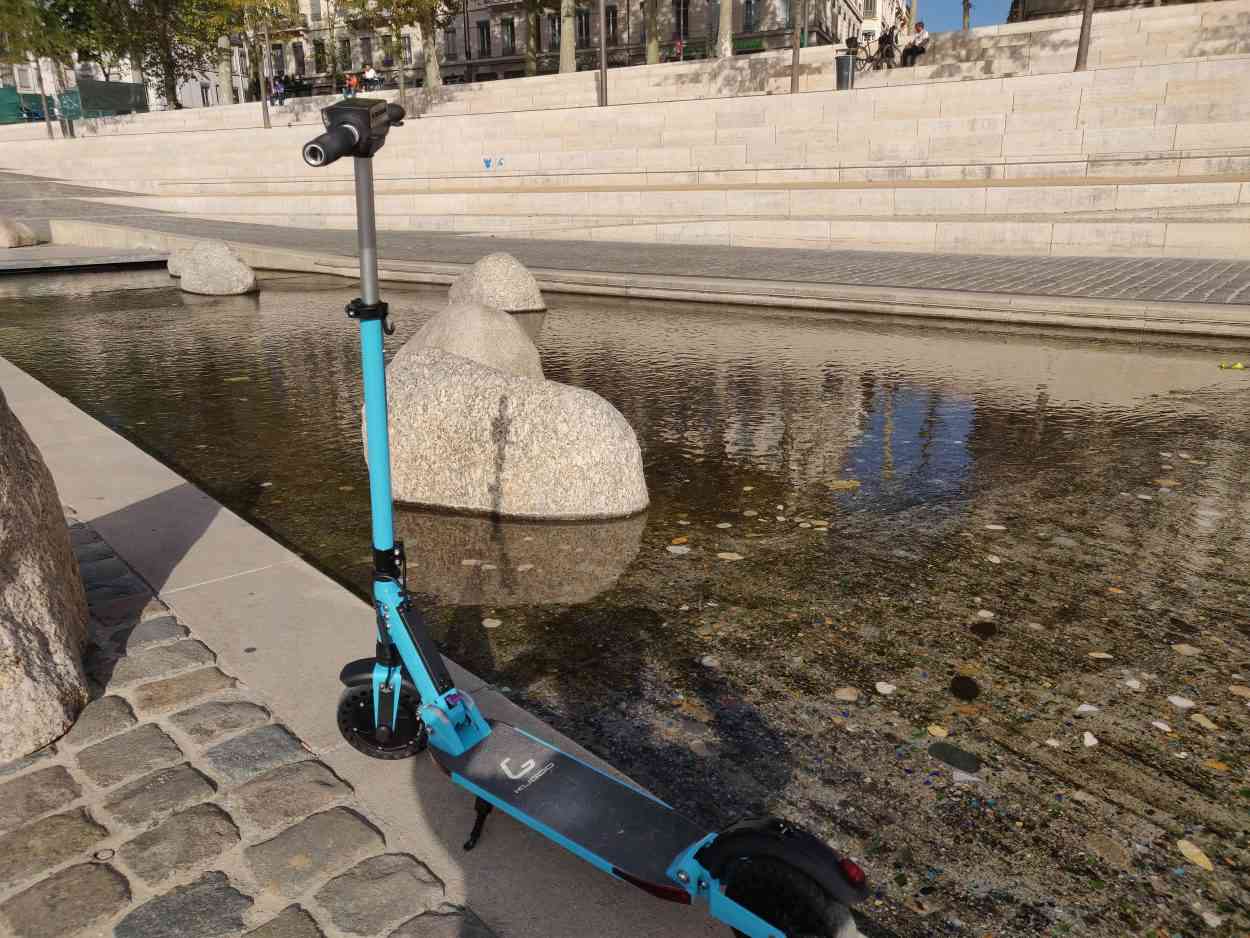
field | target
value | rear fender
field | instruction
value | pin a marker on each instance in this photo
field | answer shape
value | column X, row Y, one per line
column 773, row 837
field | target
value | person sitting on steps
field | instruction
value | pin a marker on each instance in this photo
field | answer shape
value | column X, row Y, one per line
column 916, row 48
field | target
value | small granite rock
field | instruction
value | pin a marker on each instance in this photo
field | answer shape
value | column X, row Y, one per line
column 287, row 794
column 1203, row 721
column 24, row 763
column 1089, row 739
column 1110, row 851
column 214, row 719
column 153, row 631
column 243, row 757
column 501, row 281
column 46, row 843
column 25, row 798
column 67, row 903
column 212, row 268
column 447, row 922
column 128, row 610
column 468, row 437
column 177, row 691
column 128, row 755
column 207, row 908
column 182, row 843
column 1186, row 651
column 105, row 716
column 98, row 572
column 362, row 900
column 846, row 694
column 291, row 922
column 482, row 334
column 1180, row 703
column 16, row 234
column 160, row 662
column 154, row 796
column 955, row 757
column 321, row 844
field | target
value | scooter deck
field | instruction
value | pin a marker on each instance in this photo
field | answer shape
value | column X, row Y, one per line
column 607, row 822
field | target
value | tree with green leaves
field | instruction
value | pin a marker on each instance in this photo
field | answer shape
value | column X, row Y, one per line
column 651, row 17
column 34, row 30
column 174, row 40
column 255, row 18
column 392, row 16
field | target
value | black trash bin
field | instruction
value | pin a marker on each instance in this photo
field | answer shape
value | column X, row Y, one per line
column 844, row 69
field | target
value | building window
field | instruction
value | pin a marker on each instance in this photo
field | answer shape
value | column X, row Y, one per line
column 681, row 19
column 388, row 51
column 277, row 59
column 314, row 10
column 483, row 39
column 366, row 51
column 449, row 45
column 297, row 53
column 870, row 9
column 507, row 29
column 319, row 55
column 581, row 20
column 614, row 36
column 750, row 15
column 407, row 49
column 553, row 30
column 345, row 55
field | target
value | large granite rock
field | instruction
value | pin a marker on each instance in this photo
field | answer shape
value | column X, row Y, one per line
column 479, row 333
column 468, row 560
column 474, row 439
column 212, row 268
column 501, row 281
column 43, row 609
column 14, row 234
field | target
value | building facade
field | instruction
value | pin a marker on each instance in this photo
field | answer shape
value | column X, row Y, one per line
column 487, row 41
column 879, row 13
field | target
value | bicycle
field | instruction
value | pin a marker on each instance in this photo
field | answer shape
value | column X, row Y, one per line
column 883, row 57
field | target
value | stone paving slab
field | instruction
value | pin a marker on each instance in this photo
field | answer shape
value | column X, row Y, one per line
column 187, row 812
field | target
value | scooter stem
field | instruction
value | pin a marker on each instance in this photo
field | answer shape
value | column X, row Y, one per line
column 374, row 365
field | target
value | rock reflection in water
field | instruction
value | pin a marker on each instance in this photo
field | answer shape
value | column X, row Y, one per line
column 463, row 560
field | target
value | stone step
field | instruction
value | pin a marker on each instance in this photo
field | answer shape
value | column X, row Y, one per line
column 696, row 203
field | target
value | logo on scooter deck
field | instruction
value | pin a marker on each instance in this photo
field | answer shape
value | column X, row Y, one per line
column 526, row 767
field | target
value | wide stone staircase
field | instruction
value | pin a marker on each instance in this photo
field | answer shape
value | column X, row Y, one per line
column 1129, row 159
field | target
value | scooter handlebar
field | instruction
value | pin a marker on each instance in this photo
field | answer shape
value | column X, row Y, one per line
column 331, row 145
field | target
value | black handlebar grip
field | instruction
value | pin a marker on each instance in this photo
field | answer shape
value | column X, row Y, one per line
column 334, row 143
column 395, row 115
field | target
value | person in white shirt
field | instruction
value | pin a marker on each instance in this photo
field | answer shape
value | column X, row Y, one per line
column 371, row 78
column 916, row 48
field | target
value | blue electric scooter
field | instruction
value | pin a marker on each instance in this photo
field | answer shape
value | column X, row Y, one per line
column 764, row 877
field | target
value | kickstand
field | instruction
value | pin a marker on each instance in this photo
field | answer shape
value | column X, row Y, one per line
column 482, row 808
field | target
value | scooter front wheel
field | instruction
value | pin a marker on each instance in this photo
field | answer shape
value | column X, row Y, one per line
column 786, row 898
column 355, row 717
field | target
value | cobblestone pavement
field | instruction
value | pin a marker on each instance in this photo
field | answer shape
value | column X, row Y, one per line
column 1147, row 279
column 177, row 808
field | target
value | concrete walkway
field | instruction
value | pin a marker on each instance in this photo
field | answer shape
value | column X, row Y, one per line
column 1195, row 296
column 67, row 257
column 236, row 834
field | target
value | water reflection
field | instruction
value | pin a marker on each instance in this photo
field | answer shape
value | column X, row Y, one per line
column 474, row 561
column 999, row 525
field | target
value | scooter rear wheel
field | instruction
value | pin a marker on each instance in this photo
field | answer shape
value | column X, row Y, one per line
column 355, row 716
column 787, row 899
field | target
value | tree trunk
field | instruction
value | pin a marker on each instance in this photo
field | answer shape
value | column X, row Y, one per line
column 1082, row 46
column 533, row 23
column 398, row 45
column 794, row 47
column 429, row 52
column 47, row 117
column 725, row 32
column 568, row 36
column 651, row 10
column 967, row 15
column 261, row 67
